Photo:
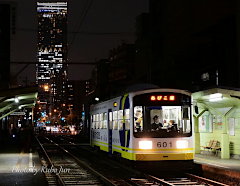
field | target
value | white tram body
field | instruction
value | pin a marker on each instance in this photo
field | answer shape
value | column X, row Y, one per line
column 123, row 125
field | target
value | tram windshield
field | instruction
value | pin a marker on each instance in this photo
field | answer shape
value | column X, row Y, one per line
column 162, row 120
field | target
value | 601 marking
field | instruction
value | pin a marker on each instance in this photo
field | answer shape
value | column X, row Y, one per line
column 164, row 144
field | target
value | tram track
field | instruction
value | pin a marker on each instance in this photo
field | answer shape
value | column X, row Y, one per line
column 61, row 167
column 189, row 179
column 142, row 178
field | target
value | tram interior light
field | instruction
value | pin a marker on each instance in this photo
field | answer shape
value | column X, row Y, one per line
column 182, row 144
column 145, row 144
column 215, row 97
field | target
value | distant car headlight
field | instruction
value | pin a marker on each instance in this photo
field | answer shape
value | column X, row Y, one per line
column 48, row 128
column 145, row 144
column 182, row 144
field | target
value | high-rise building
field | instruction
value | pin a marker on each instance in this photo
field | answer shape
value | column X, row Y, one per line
column 51, row 73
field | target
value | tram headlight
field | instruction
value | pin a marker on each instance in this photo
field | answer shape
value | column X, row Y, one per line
column 182, row 144
column 145, row 144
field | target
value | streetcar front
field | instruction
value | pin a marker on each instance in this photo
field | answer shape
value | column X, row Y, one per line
column 162, row 126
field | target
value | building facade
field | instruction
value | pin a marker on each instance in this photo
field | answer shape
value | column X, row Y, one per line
column 51, row 75
column 77, row 100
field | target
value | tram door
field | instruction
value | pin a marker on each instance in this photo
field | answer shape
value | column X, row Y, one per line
column 110, row 127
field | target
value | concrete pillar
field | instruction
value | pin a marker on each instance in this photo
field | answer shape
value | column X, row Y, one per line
column 196, row 132
column 225, row 152
column 196, row 136
column 197, row 142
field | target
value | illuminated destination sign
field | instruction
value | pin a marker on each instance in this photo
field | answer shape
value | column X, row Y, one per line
column 162, row 98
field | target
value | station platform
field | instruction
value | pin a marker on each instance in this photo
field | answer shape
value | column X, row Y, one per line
column 19, row 167
column 218, row 166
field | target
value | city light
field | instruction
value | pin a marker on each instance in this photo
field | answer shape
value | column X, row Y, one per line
column 46, row 88
column 16, row 100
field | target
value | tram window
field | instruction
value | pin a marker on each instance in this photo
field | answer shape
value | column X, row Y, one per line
column 120, row 124
column 115, row 115
column 97, row 121
column 127, row 119
column 94, row 122
column 120, row 114
column 127, row 124
column 110, row 116
column 185, row 113
column 171, row 113
column 127, row 113
column 186, row 127
column 185, row 124
column 104, row 120
column 138, row 123
column 101, row 121
column 120, row 119
column 115, row 120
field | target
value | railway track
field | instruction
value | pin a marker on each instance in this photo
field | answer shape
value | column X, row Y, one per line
column 138, row 178
column 190, row 179
column 63, row 168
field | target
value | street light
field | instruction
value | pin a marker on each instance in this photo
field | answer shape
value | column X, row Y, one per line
column 46, row 88
column 16, row 100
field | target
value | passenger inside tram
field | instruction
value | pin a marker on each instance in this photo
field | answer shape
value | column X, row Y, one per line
column 161, row 121
column 156, row 125
column 138, row 121
column 172, row 126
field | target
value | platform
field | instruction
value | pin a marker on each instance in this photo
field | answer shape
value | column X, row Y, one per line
column 216, row 165
column 19, row 167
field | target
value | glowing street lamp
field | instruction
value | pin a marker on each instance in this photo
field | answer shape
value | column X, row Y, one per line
column 46, row 88
column 16, row 100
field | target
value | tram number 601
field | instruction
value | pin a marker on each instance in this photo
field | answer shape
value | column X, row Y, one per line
column 164, row 144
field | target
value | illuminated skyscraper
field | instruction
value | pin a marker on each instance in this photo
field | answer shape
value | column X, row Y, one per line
column 51, row 73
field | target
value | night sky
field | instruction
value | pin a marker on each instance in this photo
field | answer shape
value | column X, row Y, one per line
column 94, row 28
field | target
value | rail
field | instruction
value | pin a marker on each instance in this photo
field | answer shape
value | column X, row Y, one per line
column 190, row 179
column 77, row 161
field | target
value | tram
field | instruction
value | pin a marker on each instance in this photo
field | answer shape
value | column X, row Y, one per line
column 147, row 125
